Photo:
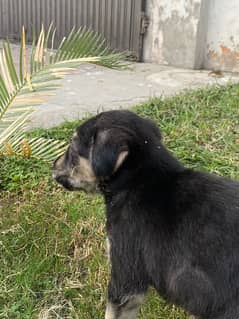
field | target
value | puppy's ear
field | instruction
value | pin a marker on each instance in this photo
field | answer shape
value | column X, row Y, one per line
column 109, row 152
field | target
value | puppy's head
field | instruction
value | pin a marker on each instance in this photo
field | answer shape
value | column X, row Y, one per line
column 102, row 147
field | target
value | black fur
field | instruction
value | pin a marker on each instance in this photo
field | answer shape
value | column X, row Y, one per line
column 170, row 227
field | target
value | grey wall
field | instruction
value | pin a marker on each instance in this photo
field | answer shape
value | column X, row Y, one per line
column 222, row 38
column 194, row 33
column 173, row 30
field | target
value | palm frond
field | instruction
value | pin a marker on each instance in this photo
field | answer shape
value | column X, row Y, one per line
column 21, row 92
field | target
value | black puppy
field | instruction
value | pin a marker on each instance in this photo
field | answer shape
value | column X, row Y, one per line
column 169, row 227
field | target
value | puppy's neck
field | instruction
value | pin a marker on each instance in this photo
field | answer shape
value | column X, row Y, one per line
column 156, row 169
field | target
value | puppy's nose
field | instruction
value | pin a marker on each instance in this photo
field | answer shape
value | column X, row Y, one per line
column 64, row 181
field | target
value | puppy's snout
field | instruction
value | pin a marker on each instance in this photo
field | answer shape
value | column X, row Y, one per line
column 64, row 181
column 60, row 174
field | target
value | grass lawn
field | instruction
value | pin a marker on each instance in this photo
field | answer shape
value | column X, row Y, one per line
column 52, row 243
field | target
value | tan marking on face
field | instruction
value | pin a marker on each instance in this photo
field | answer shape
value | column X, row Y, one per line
column 83, row 177
column 75, row 138
column 120, row 160
column 84, row 171
column 59, row 163
column 75, row 135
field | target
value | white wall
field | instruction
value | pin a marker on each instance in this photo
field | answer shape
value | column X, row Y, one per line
column 193, row 33
column 172, row 34
column 222, row 39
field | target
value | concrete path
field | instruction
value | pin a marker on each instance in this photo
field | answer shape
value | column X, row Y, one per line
column 92, row 89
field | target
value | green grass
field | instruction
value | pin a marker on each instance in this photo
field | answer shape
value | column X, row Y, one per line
column 52, row 243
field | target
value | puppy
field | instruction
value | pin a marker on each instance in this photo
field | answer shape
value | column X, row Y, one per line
column 168, row 226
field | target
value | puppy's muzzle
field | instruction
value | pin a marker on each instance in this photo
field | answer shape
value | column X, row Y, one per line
column 64, row 181
column 75, row 173
column 60, row 175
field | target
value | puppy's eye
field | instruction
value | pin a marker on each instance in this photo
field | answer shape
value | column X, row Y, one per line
column 75, row 144
column 71, row 157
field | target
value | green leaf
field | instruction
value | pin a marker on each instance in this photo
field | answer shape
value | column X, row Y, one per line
column 10, row 64
column 20, row 96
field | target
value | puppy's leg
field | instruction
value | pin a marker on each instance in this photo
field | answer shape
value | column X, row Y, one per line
column 129, row 281
column 125, row 294
column 127, row 309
